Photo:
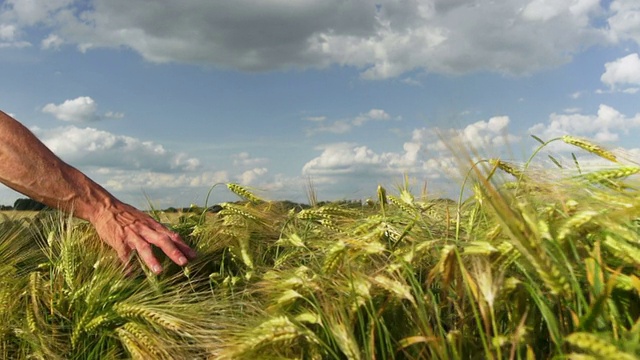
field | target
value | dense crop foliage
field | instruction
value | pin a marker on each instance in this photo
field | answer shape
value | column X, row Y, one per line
column 527, row 264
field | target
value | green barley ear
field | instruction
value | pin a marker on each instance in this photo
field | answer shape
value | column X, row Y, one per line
column 382, row 198
column 607, row 176
column 590, row 147
column 597, row 346
column 279, row 331
column 334, row 257
column 244, row 193
column 506, row 167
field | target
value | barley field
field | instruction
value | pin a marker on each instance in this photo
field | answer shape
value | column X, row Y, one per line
column 530, row 262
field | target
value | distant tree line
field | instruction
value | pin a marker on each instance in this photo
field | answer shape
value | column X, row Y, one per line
column 25, row 204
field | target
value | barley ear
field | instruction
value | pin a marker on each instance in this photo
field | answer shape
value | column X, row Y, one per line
column 590, row 147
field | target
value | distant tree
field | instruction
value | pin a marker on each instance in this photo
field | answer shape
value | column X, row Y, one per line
column 215, row 209
column 6, row 207
column 28, row 204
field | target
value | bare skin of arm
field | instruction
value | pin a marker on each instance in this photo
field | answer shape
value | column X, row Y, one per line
column 29, row 167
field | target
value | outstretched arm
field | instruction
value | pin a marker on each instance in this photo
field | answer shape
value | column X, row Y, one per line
column 28, row 166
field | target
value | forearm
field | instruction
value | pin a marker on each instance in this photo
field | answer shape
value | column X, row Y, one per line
column 29, row 167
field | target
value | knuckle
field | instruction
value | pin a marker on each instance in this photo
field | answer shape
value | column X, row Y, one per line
column 143, row 247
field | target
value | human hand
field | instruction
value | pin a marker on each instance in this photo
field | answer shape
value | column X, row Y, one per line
column 127, row 229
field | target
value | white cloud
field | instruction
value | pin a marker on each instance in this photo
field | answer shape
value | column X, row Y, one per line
column 543, row 10
column 245, row 160
column 373, row 114
column 336, row 127
column 342, row 158
column 96, row 148
column 316, row 118
column 576, row 95
column 625, row 21
column 135, row 181
column 479, row 135
column 249, row 177
column 344, row 126
column 425, row 155
column 605, row 126
column 52, row 41
column 623, row 71
column 411, row 81
column 9, row 37
column 114, row 115
column 383, row 38
column 80, row 109
column 32, row 12
column 7, row 32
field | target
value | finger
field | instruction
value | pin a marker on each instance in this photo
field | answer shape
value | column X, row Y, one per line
column 145, row 252
column 184, row 248
column 124, row 253
column 128, row 266
column 170, row 244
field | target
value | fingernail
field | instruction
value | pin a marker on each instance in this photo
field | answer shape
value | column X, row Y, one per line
column 157, row 269
column 182, row 260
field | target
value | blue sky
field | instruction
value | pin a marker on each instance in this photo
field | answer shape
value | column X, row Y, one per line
column 166, row 98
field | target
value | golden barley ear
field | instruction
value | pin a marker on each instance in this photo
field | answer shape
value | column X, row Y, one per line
column 590, row 147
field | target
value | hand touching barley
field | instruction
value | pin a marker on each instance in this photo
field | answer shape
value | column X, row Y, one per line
column 27, row 166
column 127, row 230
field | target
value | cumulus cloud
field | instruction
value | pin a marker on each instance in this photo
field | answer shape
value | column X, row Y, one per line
column 32, row 12
column 7, row 32
column 345, row 125
column 52, row 42
column 123, row 180
column 80, row 109
column 623, row 72
column 9, row 37
column 316, row 118
column 489, row 134
column 625, row 21
column 425, row 155
column 114, row 115
column 244, row 160
column 15, row 15
column 605, row 126
column 249, row 177
column 383, row 38
column 97, row 148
